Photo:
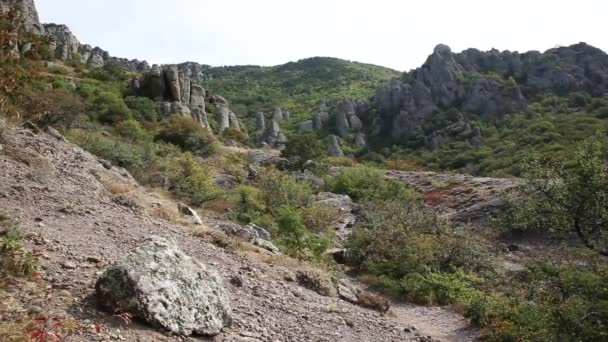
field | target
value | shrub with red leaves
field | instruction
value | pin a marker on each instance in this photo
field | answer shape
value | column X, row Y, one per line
column 432, row 199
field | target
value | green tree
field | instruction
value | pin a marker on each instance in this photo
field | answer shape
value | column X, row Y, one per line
column 567, row 199
column 301, row 148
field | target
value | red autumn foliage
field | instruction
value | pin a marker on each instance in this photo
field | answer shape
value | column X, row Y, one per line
column 432, row 199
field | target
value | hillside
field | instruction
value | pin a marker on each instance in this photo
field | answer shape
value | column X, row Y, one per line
column 297, row 87
column 481, row 112
column 178, row 202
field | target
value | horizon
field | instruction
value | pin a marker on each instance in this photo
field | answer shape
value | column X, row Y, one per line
column 174, row 33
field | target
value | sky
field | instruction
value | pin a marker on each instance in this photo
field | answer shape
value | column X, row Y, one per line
column 399, row 34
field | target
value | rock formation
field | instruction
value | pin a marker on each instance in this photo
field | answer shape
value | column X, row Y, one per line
column 260, row 122
column 333, row 147
column 486, row 84
column 161, row 285
column 278, row 115
column 360, row 140
column 273, row 136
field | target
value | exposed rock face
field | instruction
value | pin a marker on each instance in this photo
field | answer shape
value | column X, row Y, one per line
column 28, row 12
column 273, row 136
column 251, row 233
column 278, row 115
column 260, row 122
column 487, row 84
column 306, row 126
column 164, row 287
column 360, row 140
column 222, row 115
column 345, row 113
column 333, row 147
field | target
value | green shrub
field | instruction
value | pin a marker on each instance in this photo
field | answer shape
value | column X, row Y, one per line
column 15, row 260
column 189, row 135
column 135, row 157
column 438, row 288
column 296, row 239
column 133, row 131
column 301, row 148
column 319, row 218
column 279, row 189
column 143, row 108
column 190, row 178
column 234, row 134
column 366, row 183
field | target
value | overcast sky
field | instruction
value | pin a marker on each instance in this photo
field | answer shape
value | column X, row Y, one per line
column 395, row 33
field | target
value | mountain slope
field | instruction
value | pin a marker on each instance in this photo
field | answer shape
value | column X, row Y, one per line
column 297, row 87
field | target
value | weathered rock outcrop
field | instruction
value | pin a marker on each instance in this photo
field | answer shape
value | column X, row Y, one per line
column 487, row 84
column 260, row 122
column 333, row 147
column 278, row 115
column 346, row 115
column 273, row 136
column 161, row 285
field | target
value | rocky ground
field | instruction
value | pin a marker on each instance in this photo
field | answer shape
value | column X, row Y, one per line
column 462, row 198
column 81, row 215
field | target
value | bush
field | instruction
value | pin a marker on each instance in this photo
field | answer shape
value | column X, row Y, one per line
column 190, row 178
column 15, row 260
column 143, row 108
column 133, row 156
column 189, row 135
column 132, row 131
column 234, row 134
column 366, row 183
column 319, row 218
column 296, row 239
column 301, row 148
column 279, row 189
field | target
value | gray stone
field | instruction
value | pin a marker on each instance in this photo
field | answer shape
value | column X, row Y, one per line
column 222, row 115
column 260, row 123
column 164, row 287
column 278, row 115
column 333, row 147
column 360, row 140
column 186, row 210
column 306, row 126
column 234, row 121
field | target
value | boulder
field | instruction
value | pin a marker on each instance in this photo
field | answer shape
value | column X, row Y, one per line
column 164, row 287
column 186, row 210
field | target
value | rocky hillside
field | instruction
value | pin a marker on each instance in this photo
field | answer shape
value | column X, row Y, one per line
column 483, row 84
column 81, row 214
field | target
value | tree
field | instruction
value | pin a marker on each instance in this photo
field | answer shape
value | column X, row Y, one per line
column 566, row 199
column 301, row 148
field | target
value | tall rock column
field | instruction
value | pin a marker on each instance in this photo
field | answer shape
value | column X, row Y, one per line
column 260, row 123
column 222, row 114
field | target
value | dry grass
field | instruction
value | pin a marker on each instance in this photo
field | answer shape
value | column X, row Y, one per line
column 115, row 187
column 219, row 206
column 169, row 214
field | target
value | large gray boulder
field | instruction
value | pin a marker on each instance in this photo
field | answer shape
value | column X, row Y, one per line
column 164, row 287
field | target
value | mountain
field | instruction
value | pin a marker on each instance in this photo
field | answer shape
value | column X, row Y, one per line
column 297, row 87
column 481, row 112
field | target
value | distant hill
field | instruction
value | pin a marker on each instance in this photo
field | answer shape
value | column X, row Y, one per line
column 297, row 87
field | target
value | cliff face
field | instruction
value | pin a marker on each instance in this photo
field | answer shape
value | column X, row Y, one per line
column 485, row 84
